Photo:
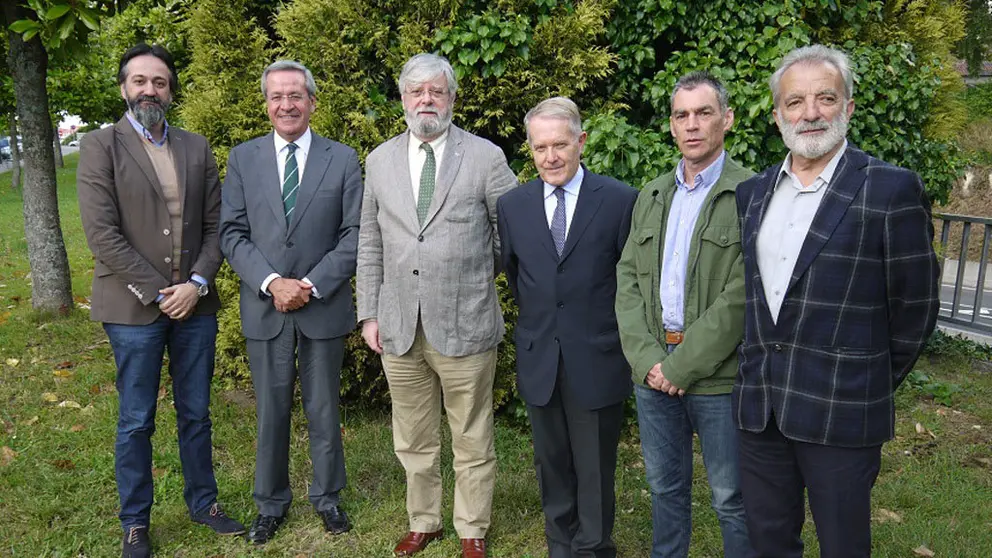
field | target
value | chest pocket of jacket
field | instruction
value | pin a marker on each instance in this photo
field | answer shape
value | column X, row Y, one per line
column 644, row 260
column 722, row 236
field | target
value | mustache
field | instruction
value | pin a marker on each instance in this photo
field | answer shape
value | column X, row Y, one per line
column 812, row 126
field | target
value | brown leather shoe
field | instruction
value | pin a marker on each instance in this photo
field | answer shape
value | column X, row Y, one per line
column 414, row 542
column 473, row 548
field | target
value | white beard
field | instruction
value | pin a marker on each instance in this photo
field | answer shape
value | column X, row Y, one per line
column 816, row 146
column 426, row 126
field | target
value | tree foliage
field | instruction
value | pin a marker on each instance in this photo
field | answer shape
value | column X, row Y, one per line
column 976, row 46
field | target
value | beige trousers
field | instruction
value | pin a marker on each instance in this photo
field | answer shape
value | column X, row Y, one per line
column 417, row 380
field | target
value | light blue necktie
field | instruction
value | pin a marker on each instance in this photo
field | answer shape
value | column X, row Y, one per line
column 558, row 221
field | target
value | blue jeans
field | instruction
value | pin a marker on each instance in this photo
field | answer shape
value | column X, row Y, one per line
column 666, row 424
column 138, row 351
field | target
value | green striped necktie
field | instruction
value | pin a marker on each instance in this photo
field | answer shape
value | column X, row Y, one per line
column 426, row 183
column 291, row 183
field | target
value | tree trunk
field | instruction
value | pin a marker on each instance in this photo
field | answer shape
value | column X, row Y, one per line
column 58, row 149
column 51, row 286
column 15, row 153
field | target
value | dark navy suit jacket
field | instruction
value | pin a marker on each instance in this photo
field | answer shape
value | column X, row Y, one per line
column 861, row 303
column 567, row 304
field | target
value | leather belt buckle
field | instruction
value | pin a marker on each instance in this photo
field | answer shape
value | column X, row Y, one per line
column 673, row 337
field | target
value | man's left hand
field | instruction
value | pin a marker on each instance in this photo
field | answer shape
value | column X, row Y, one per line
column 179, row 301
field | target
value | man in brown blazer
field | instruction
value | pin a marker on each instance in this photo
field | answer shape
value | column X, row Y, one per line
column 427, row 248
column 149, row 198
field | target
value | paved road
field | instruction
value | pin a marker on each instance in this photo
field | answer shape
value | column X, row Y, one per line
column 7, row 165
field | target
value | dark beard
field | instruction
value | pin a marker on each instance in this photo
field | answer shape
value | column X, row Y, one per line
column 148, row 116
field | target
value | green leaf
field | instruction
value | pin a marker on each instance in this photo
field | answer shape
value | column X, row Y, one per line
column 23, row 25
column 29, row 34
column 57, row 11
column 65, row 29
column 89, row 18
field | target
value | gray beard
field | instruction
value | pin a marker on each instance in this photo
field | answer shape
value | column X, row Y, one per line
column 148, row 116
column 814, row 148
column 427, row 127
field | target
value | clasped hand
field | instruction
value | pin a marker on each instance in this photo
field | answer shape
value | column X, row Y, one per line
column 657, row 380
column 289, row 294
column 179, row 300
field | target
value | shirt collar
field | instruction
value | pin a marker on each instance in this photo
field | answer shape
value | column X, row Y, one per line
column 302, row 142
column 706, row 178
column 146, row 134
column 571, row 187
column 825, row 176
column 435, row 144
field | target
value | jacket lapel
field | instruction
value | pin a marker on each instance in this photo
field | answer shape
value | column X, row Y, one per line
column 404, row 182
column 268, row 174
column 450, row 163
column 179, row 155
column 536, row 214
column 131, row 141
column 585, row 209
column 845, row 185
column 751, row 226
column 318, row 160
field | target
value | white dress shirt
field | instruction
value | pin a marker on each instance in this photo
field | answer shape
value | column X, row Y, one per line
column 785, row 226
column 571, row 197
column 418, row 157
column 302, row 150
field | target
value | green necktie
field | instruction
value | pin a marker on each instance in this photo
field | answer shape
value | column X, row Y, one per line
column 426, row 183
column 291, row 183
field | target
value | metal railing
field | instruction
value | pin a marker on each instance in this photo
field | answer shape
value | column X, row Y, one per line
column 967, row 276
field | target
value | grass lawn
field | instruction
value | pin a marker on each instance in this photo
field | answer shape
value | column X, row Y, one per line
column 58, row 412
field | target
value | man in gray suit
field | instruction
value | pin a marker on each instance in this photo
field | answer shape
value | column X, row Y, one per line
column 427, row 301
column 289, row 228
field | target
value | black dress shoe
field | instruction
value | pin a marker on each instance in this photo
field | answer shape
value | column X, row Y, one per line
column 215, row 518
column 136, row 543
column 264, row 527
column 335, row 520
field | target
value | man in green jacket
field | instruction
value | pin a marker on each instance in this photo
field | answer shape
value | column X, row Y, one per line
column 680, row 309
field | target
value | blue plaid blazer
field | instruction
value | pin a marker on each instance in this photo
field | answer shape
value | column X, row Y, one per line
column 861, row 303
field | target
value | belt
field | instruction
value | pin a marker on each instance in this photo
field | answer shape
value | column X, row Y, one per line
column 673, row 337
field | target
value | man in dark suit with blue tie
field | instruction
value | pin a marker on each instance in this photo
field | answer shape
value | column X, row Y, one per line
column 289, row 228
column 842, row 293
column 562, row 236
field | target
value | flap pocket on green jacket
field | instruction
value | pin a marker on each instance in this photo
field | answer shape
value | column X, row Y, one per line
column 722, row 235
column 640, row 237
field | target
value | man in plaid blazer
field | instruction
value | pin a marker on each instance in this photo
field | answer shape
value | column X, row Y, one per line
column 842, row 294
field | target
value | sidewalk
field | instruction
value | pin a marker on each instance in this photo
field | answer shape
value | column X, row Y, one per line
column 970, row 278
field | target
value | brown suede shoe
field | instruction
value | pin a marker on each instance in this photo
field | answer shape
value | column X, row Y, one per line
column 414, row 542
column 473, row 548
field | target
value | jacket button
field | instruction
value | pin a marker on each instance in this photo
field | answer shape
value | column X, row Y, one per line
column 723, row 239
column 777, row 348
column 168, row 260
column 416, row 272
column 561, row 305
column 166, row 232
column 561, row 269
column 289, row 245
column 556, row 339
column 420, row 238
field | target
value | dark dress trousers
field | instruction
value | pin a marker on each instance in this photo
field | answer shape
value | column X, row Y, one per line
column 320, row 243
column 814, row 394
column 571, row 371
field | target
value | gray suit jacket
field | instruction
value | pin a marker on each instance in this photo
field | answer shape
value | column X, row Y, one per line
column 127, row 223
column 319, row 243
column 445, row 269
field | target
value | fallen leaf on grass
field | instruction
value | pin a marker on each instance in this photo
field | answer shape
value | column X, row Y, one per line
column 922, row 550
column 64, row 464
column 8, row 427
column 13, row 362
column 976, row 426
column 30, row 421
column 87, row 409
column 3, row 317
column 158, row 471
column 69, row 404
column 161, row 393
column 49, row 397
column 64, row 365
column 95, row 389
column 920, row 429
column 77, row 428
column 941, row 412
column 884, row 516
column 6, row 456
column 61, row 373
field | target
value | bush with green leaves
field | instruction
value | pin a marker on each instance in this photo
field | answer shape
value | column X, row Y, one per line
column 617, row 60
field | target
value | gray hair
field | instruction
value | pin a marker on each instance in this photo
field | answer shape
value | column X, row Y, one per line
column 556, row 107
column 814, row 54
column 282, row 65
column 425, row 67
column 693, row 80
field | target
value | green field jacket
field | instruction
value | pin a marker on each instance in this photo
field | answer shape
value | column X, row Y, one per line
column 706, row 361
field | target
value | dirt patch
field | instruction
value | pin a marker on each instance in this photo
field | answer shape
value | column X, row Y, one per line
column 242, row 398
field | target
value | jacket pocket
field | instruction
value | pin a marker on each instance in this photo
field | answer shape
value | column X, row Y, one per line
column 722, row 236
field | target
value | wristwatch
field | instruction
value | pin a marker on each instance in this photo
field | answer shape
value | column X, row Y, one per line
column 201, row 288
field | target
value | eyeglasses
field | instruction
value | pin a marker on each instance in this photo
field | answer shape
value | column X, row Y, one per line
column 293, row 98
column 418, row 92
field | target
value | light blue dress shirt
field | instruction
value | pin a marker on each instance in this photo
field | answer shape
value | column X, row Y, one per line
column 682, row 216
column 146, row 134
